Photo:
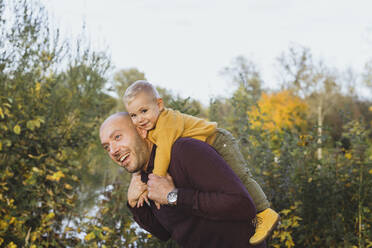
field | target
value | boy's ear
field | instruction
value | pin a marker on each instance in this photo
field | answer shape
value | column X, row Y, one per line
column 142, row 132
column 160, row 104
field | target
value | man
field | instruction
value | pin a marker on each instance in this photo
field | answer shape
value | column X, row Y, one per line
column 204, row 202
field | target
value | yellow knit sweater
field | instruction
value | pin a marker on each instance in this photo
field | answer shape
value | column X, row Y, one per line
column 170, row 126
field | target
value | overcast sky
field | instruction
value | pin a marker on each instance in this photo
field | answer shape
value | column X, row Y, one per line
column 183, row 45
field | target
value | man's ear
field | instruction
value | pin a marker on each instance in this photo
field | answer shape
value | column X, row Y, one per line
column 142, row 132
column 160, row 104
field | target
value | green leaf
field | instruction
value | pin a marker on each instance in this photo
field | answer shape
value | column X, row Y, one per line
column 17, row 129
column 30, row 125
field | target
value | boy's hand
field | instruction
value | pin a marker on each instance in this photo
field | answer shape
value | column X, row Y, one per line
column 142, row 132
column 135, row 190
column 142, row 199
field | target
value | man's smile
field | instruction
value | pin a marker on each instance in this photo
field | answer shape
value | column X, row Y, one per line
column 123, row 159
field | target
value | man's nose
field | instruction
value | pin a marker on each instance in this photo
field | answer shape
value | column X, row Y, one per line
column 113, row 149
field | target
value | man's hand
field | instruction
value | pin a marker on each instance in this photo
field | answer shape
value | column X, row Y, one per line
column 159, row 187
column 136, row 190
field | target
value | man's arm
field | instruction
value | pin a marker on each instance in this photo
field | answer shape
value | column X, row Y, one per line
column 143, row 215
column 146, row 219
column 216, row 192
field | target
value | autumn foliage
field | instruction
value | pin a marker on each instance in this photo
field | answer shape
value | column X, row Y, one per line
column 59, row 189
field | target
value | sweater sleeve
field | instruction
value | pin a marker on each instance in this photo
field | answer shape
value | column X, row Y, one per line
column 216, row 192
column 146, row 219
column 169, row 128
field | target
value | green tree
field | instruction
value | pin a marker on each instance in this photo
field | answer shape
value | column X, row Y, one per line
column 51, row 103
column 245, row 75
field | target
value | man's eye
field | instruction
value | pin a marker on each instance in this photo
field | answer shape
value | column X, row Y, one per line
column 132, row 115
column 106, row 147
column 144, row 110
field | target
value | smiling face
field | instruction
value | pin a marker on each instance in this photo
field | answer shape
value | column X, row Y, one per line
column 144, row 110
column 124, row 145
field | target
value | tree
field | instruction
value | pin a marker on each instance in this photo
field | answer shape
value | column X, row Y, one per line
column 314, row 82
column 279, row 111
column 51, row 103
column 245, row 75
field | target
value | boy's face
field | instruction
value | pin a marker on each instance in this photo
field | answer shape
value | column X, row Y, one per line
column 144, row 111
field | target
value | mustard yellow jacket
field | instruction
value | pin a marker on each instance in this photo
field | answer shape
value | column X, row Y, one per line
column 170, row 126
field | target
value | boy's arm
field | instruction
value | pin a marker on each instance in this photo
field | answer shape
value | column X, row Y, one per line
column 169, row 128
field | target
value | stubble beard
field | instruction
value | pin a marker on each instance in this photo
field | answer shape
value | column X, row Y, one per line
column 141, row 156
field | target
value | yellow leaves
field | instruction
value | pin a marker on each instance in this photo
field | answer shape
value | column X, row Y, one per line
column 3, row 225
column 36, row 157
column 12, row 220
column 3, row 127
column 36, row 123
column 75, row 178
column 106, row 229
column 50, row 216
column 90, row 236
column 370, row 108
column 310, row 180
column 11, row 245
column 348, row 155
column 36, row 170
column 370, row 171
column 2, row 116
column 282, row 237
column 68, row 186
column 7, row 142
column 149, row 235
column 104, row 211
column 277, row 111
column 37, row 88
column 34, row 236
column 10, row 202
column 265, row 173
column 285, row 211
column 1, row 240
column 289, row 243
column 17, row 129
column 56, row 176
column 8, row 173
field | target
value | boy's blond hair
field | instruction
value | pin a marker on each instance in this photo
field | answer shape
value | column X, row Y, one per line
column 140, row 86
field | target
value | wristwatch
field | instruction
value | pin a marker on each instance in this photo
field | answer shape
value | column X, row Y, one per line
column 172, row 197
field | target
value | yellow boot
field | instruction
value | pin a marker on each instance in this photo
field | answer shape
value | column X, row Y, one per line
column 267, row 220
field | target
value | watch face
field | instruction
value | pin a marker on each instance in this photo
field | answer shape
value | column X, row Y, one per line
column 172, row 197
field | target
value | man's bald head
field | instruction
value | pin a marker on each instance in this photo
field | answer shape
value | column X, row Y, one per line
column 117, row 117
column 119, row 137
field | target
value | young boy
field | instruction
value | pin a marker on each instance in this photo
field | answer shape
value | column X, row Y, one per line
column 165, row 126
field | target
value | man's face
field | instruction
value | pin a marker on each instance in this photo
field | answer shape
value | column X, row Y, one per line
column 124, row 145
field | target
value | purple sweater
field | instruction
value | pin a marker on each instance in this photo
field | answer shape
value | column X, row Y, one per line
column 213, row 207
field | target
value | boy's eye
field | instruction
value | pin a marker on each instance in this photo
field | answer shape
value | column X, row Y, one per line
column 117, row 136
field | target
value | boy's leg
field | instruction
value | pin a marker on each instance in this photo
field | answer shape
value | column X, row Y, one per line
column 227, row 146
